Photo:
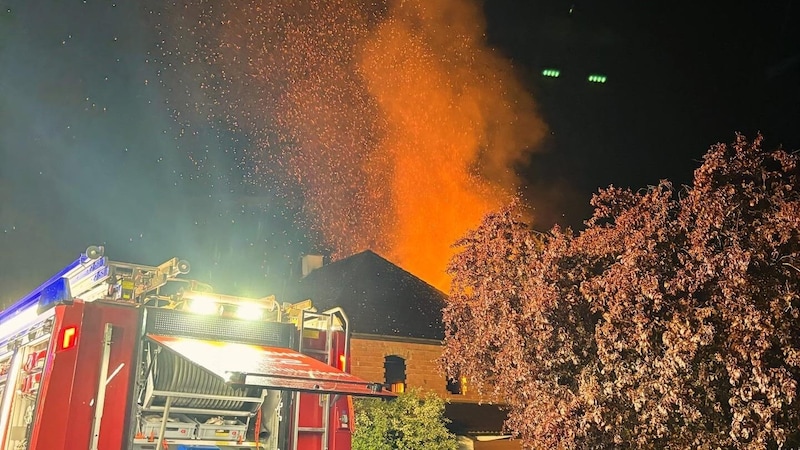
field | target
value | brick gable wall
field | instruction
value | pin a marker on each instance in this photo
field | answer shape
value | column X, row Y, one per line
column 422, row 367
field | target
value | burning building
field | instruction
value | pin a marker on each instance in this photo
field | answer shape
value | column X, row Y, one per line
column 397, row 334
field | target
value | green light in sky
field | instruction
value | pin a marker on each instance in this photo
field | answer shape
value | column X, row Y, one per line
column 553, row 73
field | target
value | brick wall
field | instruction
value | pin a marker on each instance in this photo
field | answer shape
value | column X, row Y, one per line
column 367, row 355
column 422, row 367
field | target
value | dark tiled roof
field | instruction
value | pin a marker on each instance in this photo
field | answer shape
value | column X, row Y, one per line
column 379, row 297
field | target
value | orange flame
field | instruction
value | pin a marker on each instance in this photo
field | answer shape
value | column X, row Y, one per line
column 456, row 123
column 398, row 122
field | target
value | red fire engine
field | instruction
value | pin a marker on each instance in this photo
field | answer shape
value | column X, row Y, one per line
column 108, row 355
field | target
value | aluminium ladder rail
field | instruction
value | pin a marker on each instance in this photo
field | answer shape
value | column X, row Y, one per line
column 326, row 317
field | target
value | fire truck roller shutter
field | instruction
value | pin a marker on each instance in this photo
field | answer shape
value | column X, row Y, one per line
column 269, row 410
column 257, row 366
column 176, row 374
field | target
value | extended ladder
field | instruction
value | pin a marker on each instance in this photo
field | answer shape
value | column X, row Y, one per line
column 95, row 277
column 310, row 323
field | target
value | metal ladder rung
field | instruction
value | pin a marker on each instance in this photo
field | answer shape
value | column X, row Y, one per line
column 318, row 352
column 327, row 320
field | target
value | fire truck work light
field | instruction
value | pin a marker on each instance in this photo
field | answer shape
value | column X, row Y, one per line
column 69, row 336
column 202, row 305
column 250, row 311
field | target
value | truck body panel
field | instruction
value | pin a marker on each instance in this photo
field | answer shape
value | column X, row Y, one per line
column 121, row 364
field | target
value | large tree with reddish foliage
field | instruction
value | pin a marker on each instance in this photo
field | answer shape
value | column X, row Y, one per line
column 671, row 321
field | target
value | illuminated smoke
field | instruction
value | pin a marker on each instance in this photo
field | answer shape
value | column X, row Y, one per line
column 397, row 123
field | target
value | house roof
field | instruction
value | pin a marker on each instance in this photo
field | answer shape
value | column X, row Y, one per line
column 379, row 297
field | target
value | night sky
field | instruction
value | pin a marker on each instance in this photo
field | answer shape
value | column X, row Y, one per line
column 94, row 151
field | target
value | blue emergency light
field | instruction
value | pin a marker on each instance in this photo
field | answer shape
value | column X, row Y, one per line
column 56, row 292
column 57, row 288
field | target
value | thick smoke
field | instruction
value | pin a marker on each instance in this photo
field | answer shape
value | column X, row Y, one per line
column 394, row 122
column 456, row 123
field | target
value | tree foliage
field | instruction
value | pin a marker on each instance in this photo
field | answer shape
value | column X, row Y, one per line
column 670, row 321
column 412, row 421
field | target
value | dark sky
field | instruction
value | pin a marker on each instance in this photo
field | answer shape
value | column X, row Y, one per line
column 90, row 154
column 681, row 76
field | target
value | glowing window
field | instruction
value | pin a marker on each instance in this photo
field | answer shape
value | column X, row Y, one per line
column 457, row 386
column 395, row 373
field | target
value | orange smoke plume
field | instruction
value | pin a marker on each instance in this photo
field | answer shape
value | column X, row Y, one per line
column 456, row 124
column 399, row 124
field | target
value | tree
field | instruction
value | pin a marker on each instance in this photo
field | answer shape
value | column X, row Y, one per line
column 412, row 421
column 670, row 321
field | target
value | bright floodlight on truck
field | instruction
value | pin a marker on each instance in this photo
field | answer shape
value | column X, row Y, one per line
column 201, row 381
column 203, row 305
column 250, row 311
column 230, row 306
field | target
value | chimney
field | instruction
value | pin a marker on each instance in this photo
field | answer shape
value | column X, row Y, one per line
column 311, row 263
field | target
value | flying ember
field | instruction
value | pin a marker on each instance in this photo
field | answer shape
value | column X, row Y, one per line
column 394, row 121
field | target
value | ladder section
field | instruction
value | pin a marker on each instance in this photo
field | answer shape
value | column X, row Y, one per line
column 312, row 411
column 97, row 277
column 92, row 277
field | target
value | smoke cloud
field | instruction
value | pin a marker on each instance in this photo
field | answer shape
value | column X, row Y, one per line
column 394, row 123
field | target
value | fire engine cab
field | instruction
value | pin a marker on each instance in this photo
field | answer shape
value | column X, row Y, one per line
column 109, row 355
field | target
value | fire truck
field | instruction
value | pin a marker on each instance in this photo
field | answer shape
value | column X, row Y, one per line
column 108, row 355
